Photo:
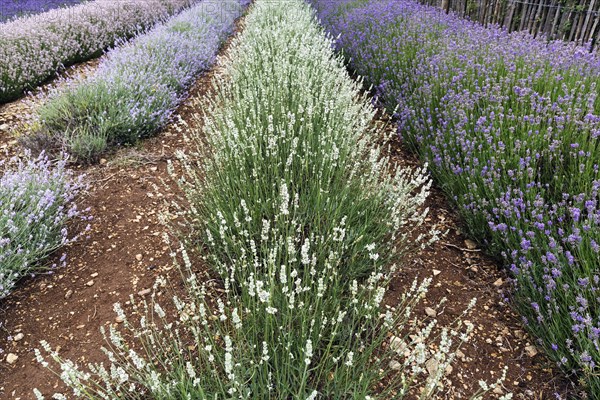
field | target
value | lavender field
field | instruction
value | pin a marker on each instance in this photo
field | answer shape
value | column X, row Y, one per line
column 248, row 172
column 136, row 87
column 509, row 125
column 10, row 9
column 36, row 47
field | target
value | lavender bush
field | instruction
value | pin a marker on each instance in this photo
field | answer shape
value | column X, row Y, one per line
column 33, row 48
column 18, row 8
column 36, row 201
column 510, row 126
column 137, row 86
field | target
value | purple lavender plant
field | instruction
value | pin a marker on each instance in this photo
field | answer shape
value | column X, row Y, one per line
column 138, row 85
column 37, row 199
column 509, row 125
column 17, row 8
column 34, row 47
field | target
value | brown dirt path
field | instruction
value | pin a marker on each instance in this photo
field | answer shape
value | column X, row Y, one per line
column 125, row 252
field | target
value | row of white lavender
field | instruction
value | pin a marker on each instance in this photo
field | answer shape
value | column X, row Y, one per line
column 34, row 48
column 136, row 87
column 300, row 218
column 36, row 202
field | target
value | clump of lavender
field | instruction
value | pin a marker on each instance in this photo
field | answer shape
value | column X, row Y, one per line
column 138, row 85
column 35, row 47
column 37, row 199
column 509, row 125
column 19, row 8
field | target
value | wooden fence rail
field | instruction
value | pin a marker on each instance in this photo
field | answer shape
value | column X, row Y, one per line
column 570, row 20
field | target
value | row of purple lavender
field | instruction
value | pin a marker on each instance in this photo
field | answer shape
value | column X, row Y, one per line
column 10, row 9
column 509, row 126
column 36, row 201
column 137, row 86
column 34, row 48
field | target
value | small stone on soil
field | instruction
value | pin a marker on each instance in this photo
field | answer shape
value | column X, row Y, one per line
column 471, row 245
column 397, row 344
column 430, row 312
column 11, row 358
column 68, row 294
column 138, row 257
column 432, row 366
column 395, row 365
column 144, row 292
column 18, row 337
column 90, row 283
column 531, row 351
column 499, row 282
column 436, row 272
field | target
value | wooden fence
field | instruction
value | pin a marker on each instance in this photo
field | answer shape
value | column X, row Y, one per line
column 571, row 20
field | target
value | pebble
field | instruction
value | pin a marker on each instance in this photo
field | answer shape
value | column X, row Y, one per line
column 436, row 272
column 471, row 245
column 531, row 351
column 432, row 366
column 18, row 336
column 119, row 320
column 519, row 334
column 68, row 294
column 395, row 365
column 144, row 292
column 397, row 344
column 499, row 282
column 90, row 283
column 430, row 312
column 94, row 275
column 11, row 358
column 139, row 257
